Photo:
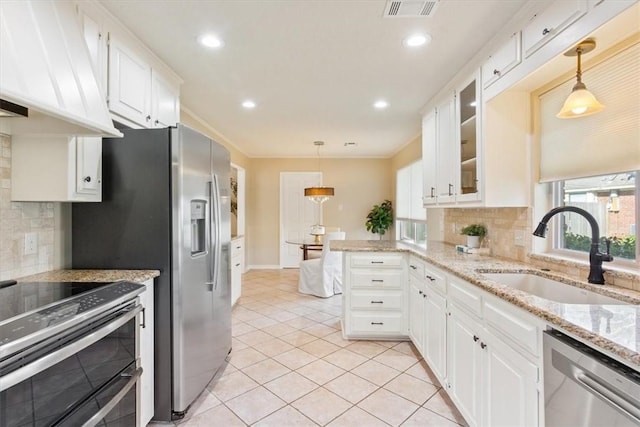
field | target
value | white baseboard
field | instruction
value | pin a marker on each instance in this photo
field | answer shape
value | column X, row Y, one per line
column 263, row 267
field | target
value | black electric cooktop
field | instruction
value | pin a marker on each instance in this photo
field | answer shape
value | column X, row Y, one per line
column 28, row 308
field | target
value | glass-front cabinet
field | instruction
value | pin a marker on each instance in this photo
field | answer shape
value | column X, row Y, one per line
column 468, row 140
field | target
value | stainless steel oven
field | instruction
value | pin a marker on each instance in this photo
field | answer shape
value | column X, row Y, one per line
column 73, row 362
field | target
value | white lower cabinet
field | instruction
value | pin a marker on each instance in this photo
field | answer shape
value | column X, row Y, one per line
column 374, row 296
column 484, row 351
column 146, row 383
column 237, row 267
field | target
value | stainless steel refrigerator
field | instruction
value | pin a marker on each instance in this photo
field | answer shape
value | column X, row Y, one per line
column 166, row 206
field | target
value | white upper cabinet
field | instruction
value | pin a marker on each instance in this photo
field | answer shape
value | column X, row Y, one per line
column 468, row 141
column 129, row 84
column 446, row 151
column 550, row 22
column 429, row 160
column 65, row 169
column 140, row 90
column 165, row 102
column 502, row 61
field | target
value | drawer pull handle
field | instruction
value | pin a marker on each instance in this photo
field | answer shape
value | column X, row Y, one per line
column 414, row 267
column 377, row 280
column 546, row 31
column 377, row 323
column 483, row 345
column 377, row 302
column 377, row 262
column 476, row 338
column 496, row 72
column 431, row 278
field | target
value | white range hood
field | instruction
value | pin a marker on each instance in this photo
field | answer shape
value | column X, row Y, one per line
column 45, row 67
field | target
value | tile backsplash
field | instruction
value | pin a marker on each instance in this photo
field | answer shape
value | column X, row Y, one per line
column 502, row 225
column 49, row 221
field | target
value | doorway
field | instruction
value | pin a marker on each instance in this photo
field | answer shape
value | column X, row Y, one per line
column 297, row 214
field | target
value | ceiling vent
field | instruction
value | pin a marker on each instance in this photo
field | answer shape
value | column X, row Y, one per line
column 410, row 8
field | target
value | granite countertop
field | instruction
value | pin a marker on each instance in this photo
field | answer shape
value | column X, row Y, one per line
column 614, row 329
column 91, row 276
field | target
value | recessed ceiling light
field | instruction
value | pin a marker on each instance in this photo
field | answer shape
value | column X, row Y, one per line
column 381, row 104
column 249, row 104
column 209, row 40
column 417, row 40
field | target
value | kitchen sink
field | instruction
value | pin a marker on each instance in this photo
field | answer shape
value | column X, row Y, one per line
column 551, row 289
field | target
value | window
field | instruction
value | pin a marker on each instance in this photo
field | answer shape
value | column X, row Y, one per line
column 411, row 216
column 613, row 200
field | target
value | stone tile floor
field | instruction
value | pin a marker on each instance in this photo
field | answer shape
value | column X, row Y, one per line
column 290, row 366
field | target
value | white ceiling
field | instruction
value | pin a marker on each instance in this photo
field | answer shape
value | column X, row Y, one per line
column 314, row 67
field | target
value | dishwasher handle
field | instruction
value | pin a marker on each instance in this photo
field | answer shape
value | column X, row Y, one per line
column 606, row 394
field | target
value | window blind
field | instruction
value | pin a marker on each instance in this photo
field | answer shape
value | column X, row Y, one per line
column 603, row 143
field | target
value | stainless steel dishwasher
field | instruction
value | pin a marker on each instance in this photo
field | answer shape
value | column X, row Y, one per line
column 583, row 387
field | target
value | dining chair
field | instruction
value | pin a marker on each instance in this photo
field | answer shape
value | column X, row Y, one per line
column 322, row 276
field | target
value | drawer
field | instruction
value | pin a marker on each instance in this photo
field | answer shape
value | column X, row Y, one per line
column 376, row 300
column 512, row 325
column 377, row 261
column 435, row 279
column 376, row 278
column 416, row 267
column 465, row 296
column 377, row 324
column 237, row 247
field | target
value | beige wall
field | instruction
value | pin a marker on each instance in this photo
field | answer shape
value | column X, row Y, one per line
column 50, row 221
column 359, row 184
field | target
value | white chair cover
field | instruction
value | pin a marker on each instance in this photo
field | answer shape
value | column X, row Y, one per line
column 322, row 276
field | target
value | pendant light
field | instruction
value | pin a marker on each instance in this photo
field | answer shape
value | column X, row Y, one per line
column 318, row 195
column 580, row 102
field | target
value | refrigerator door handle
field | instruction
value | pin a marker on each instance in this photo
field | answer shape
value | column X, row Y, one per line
column 217, row 249
column 211, row 240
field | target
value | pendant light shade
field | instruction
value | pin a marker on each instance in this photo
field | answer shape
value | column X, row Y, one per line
column 318, row 195
column 580, row 102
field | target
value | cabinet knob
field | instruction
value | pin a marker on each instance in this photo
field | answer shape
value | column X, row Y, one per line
column 87, row 179
column 496, row 72
column 546, row 31
column 483, row 345
column 156, row 122
column 413, row 266
column 424, row 295
column 148, row 118
column 420, row 292
column 432, row 279
column 476, row 338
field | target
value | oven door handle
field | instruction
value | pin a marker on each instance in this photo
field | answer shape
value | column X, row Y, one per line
column 98, row 416
column 21, row 374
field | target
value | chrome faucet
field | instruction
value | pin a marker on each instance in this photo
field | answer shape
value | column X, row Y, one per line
column 595, row 256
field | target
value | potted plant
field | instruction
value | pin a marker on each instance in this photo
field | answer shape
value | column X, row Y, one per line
column 380, row 218
column 474, row 233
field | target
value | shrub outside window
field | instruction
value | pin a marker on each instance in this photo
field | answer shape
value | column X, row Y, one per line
column 613, row 201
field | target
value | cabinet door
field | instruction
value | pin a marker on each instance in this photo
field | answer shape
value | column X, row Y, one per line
column 146, row 383
column 435, row 336
column 469, row 140
column 416, row 314
column 129, row 84
column 446, row 152
column 464, row 365
column 96, row 40
column 509, row 377
column 502, row 61
column 429, row 159
column 550, row 22
column 165, row 102
column 89, row 165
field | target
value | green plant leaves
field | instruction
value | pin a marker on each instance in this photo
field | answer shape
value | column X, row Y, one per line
column 380, row 218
